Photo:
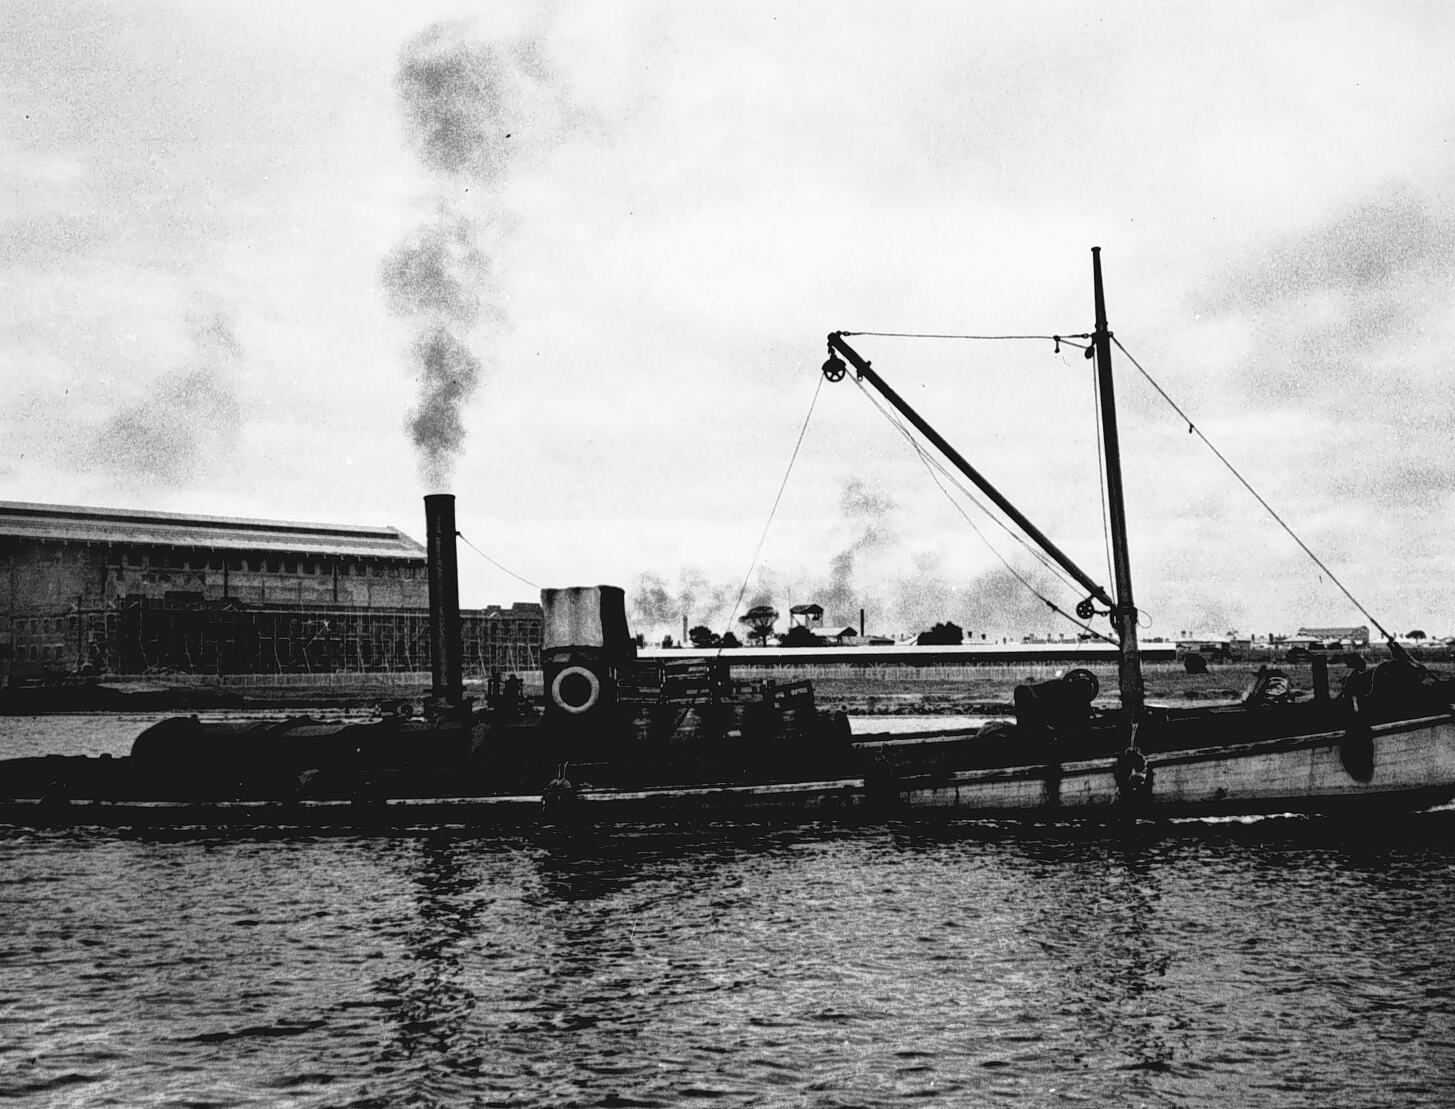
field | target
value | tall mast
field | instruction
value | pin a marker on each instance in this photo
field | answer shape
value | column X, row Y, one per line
column 1124, row 612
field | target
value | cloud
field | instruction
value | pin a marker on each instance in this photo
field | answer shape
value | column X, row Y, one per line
column 1367, row 247
column 187, row 421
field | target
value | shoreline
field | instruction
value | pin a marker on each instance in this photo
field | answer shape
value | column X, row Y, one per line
column 877, row 692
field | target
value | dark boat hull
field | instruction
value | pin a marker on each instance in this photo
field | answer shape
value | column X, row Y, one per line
column 1403, row 765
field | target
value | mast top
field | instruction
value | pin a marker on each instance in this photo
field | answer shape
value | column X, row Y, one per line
column 1100, row 293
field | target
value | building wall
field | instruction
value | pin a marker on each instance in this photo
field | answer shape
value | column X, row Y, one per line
column 47, row 578
column 117, row 608
column 52, row 577
column 44, row 582
column 270, row 578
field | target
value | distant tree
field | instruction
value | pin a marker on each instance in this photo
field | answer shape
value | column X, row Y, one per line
column 798, row 636
column 703, row 636
column 667, row 643
column 760, row 620
column 641, row 639
column 729, row 640
column 1417, row 634
column 941, row 635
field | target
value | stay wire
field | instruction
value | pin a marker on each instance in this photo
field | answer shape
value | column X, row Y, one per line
column 932, row 465
column 936, row 464
column 1193, row 429
column 753, row 564
column 497, row 565
column 1058, row 339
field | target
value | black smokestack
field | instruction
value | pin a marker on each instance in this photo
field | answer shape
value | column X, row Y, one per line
column 444, row 601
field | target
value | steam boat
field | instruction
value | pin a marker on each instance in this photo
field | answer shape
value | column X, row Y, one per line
column 618, row 738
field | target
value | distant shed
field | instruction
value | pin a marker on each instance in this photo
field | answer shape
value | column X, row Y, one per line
column 102, row 590
column 806, row 615
column 1353, row 637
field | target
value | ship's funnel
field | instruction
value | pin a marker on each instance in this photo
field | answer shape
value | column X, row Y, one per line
column 584, row 641
column 444, row 601
column 587, row 616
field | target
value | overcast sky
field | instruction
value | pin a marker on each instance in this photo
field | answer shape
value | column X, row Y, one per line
column 575, row 263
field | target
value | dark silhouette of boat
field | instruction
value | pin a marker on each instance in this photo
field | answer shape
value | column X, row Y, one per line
column 618, row 738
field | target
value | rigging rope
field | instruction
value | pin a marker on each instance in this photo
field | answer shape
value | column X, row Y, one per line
column 932, row 465
column 1057, row 339
column 1046, row 563
column 752, row 564
column 936, row 464
column 1193, row 429
column 492, row 562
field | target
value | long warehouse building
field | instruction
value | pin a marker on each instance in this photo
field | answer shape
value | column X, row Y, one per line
column 107, row 591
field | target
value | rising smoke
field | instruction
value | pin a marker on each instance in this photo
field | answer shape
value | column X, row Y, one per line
column 866, row 514
column 466, row 103
column 900, row 591
column 655, row 604
column 652, row 603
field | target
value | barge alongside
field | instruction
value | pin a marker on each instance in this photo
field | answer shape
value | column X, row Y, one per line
column 625, row 739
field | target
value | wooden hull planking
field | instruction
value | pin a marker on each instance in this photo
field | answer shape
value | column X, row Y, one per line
column 1412, row 759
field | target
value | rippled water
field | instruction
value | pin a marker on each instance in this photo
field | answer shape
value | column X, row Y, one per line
column 1276, row 962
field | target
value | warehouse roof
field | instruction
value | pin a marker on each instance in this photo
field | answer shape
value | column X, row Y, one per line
column 132, row 527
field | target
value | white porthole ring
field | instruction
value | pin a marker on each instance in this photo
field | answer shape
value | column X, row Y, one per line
column 575, row 690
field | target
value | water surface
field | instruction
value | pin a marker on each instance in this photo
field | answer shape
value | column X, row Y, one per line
column 1274, row 962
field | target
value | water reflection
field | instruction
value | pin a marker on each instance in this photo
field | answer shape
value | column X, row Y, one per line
column 429, row 1003
column 1100, row 924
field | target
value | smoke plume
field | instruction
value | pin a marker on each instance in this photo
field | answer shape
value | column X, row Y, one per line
column 652, row 604
column 465, row 104
column 866, row 513
column 457, row 95
column 900, row 591
column 655, row 604
column 440, row 272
